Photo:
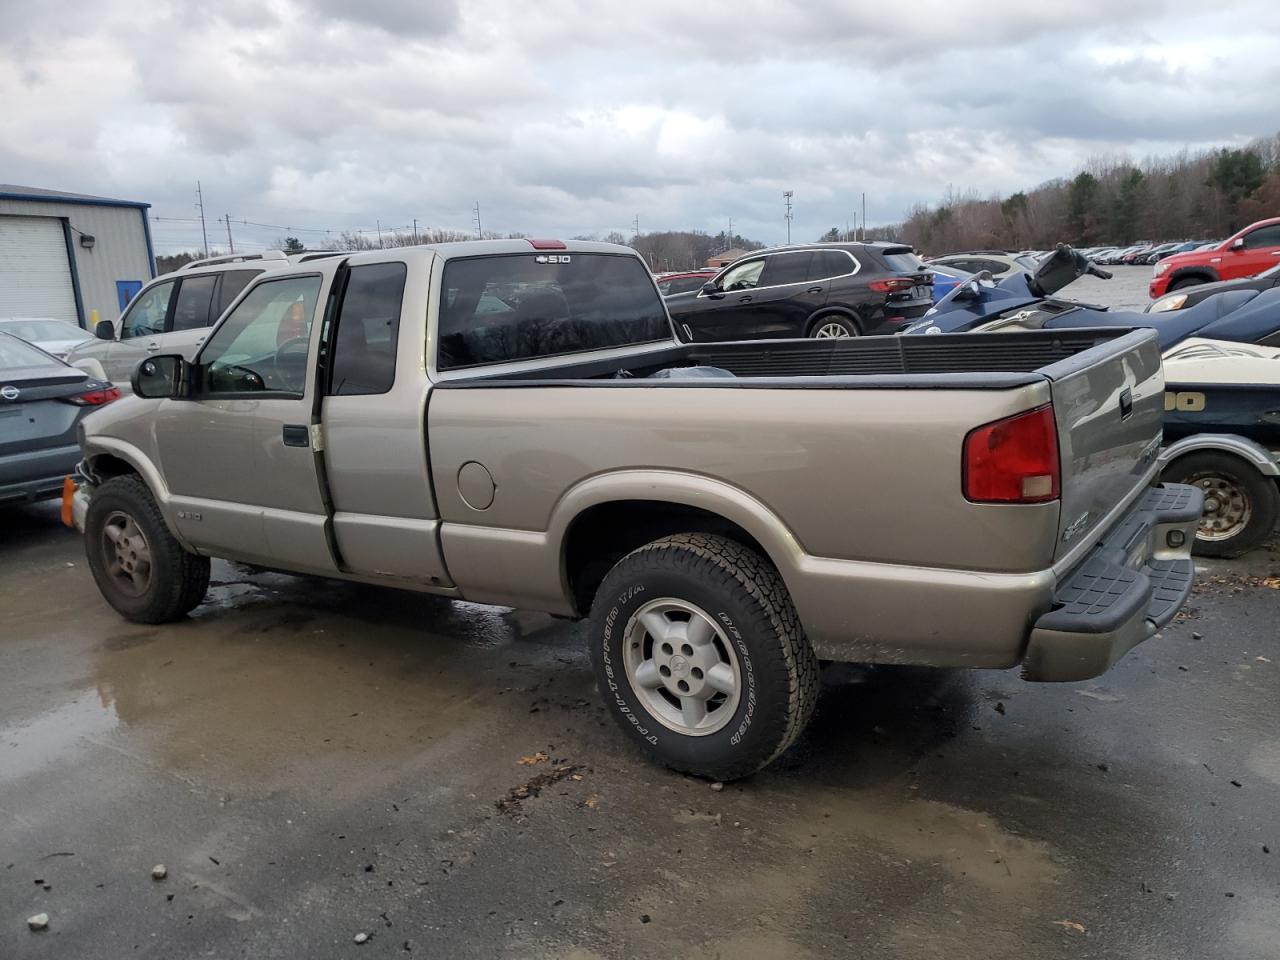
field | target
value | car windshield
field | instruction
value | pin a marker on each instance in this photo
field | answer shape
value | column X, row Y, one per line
column 41, row 329
column 17, row 355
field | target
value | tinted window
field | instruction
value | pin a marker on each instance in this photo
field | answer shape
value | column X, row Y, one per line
column 531, row 305
column 743, row 276
column 146, row 314
column 364, row 351
column 902, row 261
column 233, row 281
column 262, row 345
column 782, row 268
column 1264, row 237
column 192, row 309
column 830, row 263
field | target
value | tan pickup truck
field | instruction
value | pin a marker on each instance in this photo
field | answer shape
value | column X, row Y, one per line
column 513, row 422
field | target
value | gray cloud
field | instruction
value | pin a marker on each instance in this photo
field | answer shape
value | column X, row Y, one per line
column 576, row 116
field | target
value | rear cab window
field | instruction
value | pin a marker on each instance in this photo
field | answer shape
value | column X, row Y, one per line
column 498, row 309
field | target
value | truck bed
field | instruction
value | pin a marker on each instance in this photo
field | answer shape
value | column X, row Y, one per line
column 949, row 361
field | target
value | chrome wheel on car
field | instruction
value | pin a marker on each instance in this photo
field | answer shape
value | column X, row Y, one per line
column 1226, row 508
column 126, row 555
column 832, row 329
column 682, row 667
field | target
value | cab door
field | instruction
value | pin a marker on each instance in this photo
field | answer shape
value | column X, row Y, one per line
column 385, row 520
column 1260, row 251
column 237, row 453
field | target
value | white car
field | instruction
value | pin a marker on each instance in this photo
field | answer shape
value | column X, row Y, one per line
column 999, row 265
column 174, row 312
column 57, row 337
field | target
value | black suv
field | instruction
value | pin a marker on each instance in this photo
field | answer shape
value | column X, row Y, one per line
column 810, row 290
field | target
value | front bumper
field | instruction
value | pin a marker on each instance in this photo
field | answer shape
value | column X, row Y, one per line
column 1131, row 585
column 1158, row 287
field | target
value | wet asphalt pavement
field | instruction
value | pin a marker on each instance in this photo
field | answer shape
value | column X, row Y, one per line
column 313, row 760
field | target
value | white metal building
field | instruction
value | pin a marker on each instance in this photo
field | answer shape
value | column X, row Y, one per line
column 65, row 255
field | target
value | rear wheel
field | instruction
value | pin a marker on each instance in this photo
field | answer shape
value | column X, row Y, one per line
column 1240, row 504
column 141, row 570
column 825, row 328
column 699, row 654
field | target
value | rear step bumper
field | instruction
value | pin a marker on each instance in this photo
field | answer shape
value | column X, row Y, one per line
column 1130, row 586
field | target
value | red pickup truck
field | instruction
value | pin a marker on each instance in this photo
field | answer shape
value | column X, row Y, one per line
column 1252, row 250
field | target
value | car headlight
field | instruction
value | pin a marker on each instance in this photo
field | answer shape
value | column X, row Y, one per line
column 1164, row 304
column 1161, row 267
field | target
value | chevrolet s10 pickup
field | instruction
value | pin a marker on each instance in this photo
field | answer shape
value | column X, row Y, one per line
column 513, row 422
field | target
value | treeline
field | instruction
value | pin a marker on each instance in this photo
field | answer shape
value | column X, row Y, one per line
column 1206, row 195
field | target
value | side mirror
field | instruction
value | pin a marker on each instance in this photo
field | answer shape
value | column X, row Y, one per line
column 709, row 289
column 1237, row 243
column 163, row 377
column 105, row 330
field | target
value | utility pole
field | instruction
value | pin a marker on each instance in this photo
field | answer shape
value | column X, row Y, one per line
column 200, row 203
column 728, row 239
column 786, row 196
column 415, row 231
column 479, row 229
column 635, row 223
column 864, row 215
column 230, row 243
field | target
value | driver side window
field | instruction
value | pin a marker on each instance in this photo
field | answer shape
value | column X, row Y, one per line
column 743, row 277
column 145, row 317
column 262, row 344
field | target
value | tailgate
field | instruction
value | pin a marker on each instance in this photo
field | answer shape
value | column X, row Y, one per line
column 1109, row 406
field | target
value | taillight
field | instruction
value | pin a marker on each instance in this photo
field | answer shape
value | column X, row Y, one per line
column 894, row 285
column 1014, row 460
column 94, row 398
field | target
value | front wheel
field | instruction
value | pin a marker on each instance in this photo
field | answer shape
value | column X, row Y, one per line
column 141, row 570
column 1240, row 504
column 826, row 328
column 700, row 656
column 1184, row 283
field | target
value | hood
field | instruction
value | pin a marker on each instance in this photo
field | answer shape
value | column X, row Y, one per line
column 1189, row 258
column 60, row 348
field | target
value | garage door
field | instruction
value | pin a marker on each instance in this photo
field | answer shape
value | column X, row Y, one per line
column 35, row 278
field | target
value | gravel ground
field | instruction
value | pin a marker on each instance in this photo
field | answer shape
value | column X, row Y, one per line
column 1126, row 290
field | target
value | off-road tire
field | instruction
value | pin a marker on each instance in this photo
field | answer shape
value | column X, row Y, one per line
column 1184, row 282
column 746, row 597
column 179, row 580
column 1261, row 492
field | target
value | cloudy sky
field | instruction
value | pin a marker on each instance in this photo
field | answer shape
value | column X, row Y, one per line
column 577, row 116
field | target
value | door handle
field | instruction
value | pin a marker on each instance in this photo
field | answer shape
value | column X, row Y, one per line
column 295, row 435
column 152, row 347
column 815, row 290
column 746, row 299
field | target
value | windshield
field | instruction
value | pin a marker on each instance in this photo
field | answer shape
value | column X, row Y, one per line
column 39, row 329
column 521, row 306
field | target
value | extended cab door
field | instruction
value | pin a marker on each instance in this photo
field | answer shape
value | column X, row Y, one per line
column 237, row 454
column 385, row 521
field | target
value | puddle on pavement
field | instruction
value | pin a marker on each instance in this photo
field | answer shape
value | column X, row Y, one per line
column 56, row 736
